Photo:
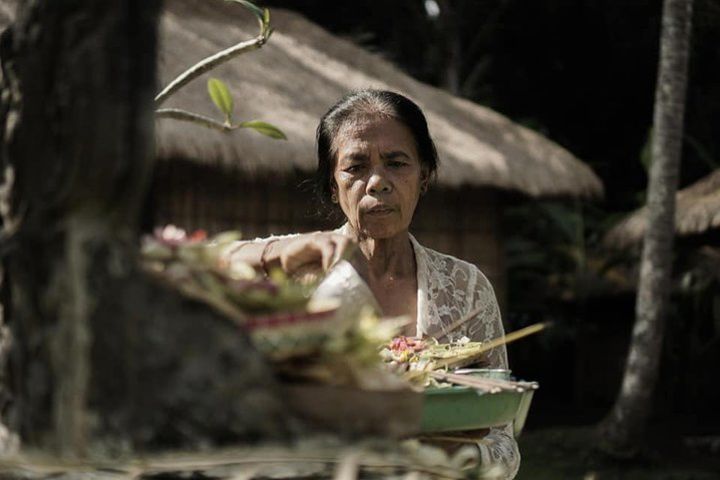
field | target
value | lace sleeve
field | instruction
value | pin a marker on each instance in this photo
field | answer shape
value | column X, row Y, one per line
column 499, row 454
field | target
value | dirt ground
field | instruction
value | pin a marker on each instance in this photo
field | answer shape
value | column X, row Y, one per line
column 568, row 453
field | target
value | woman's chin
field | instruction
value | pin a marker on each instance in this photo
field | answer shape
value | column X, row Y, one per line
column 380, row 230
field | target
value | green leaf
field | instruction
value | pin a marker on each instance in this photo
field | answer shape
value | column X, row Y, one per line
column 221, row 97
column 266, row 17
column 265, row 128
column 257, row 11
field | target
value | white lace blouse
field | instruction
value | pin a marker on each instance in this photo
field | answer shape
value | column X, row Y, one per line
column 448, row 290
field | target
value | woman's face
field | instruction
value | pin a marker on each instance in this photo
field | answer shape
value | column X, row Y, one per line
column 378, row 176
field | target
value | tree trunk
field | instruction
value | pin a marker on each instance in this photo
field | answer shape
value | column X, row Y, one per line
column 622, row 431
column 102, row 356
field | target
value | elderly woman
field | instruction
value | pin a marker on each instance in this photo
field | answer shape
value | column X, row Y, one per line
column 375, row 160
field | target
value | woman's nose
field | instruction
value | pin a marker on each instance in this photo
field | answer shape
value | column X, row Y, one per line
column 378, row 183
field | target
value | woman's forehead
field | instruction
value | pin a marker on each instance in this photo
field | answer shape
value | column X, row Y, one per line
column 366, row 132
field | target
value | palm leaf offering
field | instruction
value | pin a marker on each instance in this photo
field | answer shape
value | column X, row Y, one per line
column 198, row 267
column 311, row 346
column 277, row 311
column 458, row 399
column 420, row 361
column 413, row 357
column 284, row 323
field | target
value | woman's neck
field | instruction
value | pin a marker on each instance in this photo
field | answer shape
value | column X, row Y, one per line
column 390, row 258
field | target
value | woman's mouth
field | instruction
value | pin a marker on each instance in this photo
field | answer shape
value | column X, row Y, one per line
column 379, row 210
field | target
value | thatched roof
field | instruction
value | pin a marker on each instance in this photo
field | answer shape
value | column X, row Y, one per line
column 7, row 12
column 303, row 70
column 697, row 211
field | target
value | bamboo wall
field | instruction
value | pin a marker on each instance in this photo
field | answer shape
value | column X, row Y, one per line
column 460, row 222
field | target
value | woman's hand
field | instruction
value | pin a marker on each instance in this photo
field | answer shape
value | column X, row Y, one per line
column 314, row 251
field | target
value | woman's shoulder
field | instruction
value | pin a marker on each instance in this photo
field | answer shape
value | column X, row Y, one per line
column 453, row 266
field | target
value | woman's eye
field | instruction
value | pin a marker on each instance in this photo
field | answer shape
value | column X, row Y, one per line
column 352, row 168
column 396, row 164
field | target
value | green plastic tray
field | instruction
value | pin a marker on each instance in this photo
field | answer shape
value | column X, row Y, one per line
column 464, row 408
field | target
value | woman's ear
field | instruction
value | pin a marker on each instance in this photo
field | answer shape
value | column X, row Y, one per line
column 424, row 181
column 333, row 191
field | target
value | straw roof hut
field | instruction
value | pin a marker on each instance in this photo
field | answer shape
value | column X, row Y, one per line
column 217, row 181
column 303, row 70
column 697, row 211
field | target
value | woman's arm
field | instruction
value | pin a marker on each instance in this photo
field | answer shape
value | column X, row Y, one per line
column 293, row 253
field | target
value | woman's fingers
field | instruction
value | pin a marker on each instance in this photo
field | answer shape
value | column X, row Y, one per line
column 327, row 252
column 303, row 253
column 297, row 255
column 341, row 248
column 323, row 250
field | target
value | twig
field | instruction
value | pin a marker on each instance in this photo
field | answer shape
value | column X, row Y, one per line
column 505, row 339
column 462, row 360
column 156, row 465
column 209, row 63
column 448, row 438
column 516, row 335
column 348, row 467
column 473, row 382
column 184, row 115
column 493, row 385
column 458, row 323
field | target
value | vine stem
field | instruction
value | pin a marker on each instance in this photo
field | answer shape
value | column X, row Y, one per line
column 184, row 115
column 208, row 64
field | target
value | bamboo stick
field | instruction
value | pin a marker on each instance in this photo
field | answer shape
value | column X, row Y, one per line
column 458, row 323
column 493, row 385
column 505, row 339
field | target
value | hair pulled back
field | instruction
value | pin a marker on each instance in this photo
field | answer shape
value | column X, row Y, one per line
column 367, row 104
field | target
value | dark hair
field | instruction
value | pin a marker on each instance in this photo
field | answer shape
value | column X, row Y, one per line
column 369, row 102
